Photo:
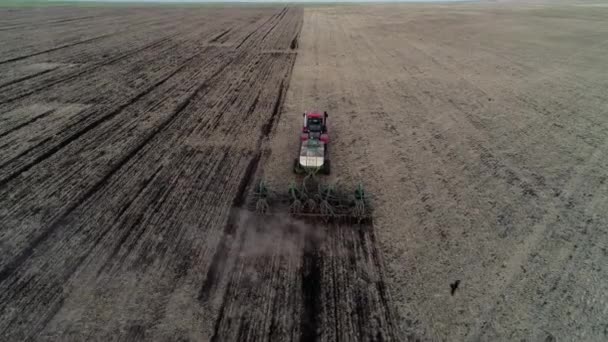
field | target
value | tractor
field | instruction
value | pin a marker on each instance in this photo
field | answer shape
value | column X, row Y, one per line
column 314, row 142
column 310, row 197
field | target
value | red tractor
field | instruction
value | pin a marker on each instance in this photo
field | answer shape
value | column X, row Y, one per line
column 314, row 140
column 315, row 126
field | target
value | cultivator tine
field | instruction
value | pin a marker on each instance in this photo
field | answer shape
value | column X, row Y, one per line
column 261, row 194
column 314, row 200
column 360, row 208
column 326, row 200
column 311, row 204
column 262, row 207
column 296, row 206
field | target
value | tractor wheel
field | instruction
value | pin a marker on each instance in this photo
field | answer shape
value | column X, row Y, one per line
column 297, row 169
column 325, row 169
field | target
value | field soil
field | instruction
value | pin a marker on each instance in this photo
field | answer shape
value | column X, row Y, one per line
column 131, row 139
column 127, row 134
column 481, row 131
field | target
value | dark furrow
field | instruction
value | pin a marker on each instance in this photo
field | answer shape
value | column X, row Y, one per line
column 8, row 28
column 160, row 201
column 250, row 112
column 125, row 234
column 220, row 257
column 241, row 195
column 279, row 17
column 267, row 127
column 273, row 318
column 253, row 32
column 218, row 322
column 34, row 119
column 90, row 126
column 54, row 309
column 360, row 318
column 156, row 202
column 44, row 305
column 219, row 36
column 243, row 330
column 241, row 83
column 25, row 78
column 379, row 266
column 75, row 266
column 143, row 186
column 14, row 59
column 23, row 153
column 246, row 38
column 381, row 284
column 311, row 291
column 228, row 293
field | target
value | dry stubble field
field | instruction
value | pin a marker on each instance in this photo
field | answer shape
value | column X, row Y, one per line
column 481, row 130
column 130, row 138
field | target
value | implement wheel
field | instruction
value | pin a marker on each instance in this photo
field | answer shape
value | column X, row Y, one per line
column 297, row 168
column 326, row 168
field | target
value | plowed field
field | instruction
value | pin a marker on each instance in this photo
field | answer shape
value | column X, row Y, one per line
column 131, row 138
column 126, row 136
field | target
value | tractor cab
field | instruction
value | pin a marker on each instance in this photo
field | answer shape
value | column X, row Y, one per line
column 315, row 126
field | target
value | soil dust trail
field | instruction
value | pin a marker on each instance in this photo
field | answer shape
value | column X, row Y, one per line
column 303, row 281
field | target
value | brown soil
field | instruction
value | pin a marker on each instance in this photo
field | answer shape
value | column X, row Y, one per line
column 481, row 131
column 130, row 139
column 125, row 138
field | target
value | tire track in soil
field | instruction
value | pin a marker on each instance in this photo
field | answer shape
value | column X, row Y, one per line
column 85, row 70
column 120, row 29
column 14, row 59
column 82, row 131
column 30, row 121
column 311, row 289
column 71, row 35
column 91, row 63
column 219, row 36
column 25, row 78
column 219, row 260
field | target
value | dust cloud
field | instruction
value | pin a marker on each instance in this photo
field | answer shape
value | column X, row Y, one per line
column 279, row 235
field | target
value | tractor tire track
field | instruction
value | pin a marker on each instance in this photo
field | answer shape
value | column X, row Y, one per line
column 25, row 78
column 14, row 59
column 84, row 130
column 85, row 70
column 21, row 125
